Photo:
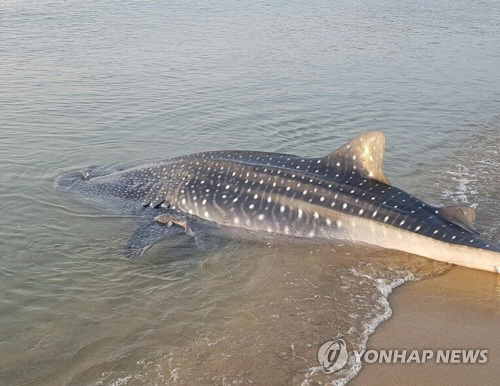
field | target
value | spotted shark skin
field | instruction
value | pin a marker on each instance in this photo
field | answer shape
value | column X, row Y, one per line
column 343, row 196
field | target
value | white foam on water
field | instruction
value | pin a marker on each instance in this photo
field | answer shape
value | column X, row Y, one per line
column 122, row 381
column 471, row 178
column 466, row 186
column 385, row 286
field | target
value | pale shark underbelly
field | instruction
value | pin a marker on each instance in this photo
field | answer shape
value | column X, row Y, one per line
column 333, row 225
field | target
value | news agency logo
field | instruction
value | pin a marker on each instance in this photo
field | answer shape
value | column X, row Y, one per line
column 332, row 355
column 464, row 356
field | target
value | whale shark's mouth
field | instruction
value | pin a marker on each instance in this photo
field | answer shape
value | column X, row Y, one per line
column 70, row 179
column 67, row 181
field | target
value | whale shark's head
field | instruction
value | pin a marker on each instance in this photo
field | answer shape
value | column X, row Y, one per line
column 99, row 183
column 133, row 188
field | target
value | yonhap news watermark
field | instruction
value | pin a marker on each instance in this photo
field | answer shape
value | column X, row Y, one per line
column 334, row 355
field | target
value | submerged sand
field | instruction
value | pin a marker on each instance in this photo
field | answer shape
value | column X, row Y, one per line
column 460, row 309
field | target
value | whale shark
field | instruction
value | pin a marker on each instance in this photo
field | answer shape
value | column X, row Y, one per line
column 343, row 195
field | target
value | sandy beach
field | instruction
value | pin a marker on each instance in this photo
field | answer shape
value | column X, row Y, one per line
column 457, row 310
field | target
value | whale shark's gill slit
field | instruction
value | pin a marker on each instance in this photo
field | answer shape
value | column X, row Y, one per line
column 155, row 204
column 159, row 204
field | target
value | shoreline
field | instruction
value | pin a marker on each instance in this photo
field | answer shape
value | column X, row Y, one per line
column 457, row 310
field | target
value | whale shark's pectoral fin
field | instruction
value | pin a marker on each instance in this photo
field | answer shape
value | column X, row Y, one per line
column 463, row 216
column 364, row 156
column 146, row 236
column 190, row 226
column 164, row 226
column 172, row 218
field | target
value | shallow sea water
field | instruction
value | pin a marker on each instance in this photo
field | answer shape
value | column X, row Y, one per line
column 124, row 83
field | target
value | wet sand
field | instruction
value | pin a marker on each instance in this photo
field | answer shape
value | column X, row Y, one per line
column 460, row 309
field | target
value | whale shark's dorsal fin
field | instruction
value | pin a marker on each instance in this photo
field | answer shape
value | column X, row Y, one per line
column 364, row 155
column 463, row 216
